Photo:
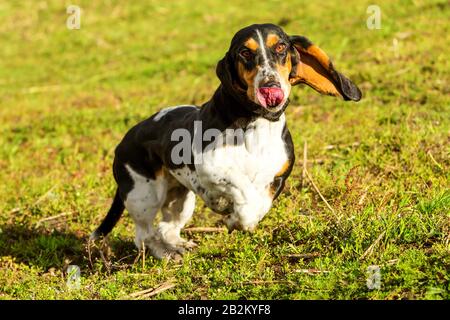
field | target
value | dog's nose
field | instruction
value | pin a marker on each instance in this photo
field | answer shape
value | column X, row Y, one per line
column 269, row 81
column 270, row 84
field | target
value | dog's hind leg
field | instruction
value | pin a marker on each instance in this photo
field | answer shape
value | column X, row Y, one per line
column 143, row 202
column 178, row 208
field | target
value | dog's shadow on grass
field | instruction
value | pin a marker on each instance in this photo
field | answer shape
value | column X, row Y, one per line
column 45, row 249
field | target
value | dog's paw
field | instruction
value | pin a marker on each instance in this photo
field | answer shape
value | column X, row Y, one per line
column 161, row 250
column 189, row 244
column 173, row 255
column 232, row 223
column 181, row 244
column 176, row 252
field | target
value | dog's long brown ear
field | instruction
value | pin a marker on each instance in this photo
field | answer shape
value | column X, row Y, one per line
column 312, row 66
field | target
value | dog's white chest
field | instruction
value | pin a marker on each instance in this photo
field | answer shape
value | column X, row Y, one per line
column 237, row 165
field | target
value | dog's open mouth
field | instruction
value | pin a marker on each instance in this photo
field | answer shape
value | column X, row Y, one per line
column 270, row 97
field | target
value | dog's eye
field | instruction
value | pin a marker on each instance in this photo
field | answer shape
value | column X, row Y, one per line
column 246, row 53
column 280, row 48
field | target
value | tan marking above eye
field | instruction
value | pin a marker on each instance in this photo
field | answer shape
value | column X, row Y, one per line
column 251, row 44
column 272, row 39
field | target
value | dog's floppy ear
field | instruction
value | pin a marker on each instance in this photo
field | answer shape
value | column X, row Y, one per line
column 312, row 66
column 226, row 74
column 223, row 70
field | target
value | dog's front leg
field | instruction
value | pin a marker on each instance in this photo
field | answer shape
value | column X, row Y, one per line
column 250, row 202
column 250, row 206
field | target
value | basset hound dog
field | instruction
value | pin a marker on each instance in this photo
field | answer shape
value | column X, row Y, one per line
column 234, row 152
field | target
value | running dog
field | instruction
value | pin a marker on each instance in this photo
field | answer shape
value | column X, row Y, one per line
column 237, row 175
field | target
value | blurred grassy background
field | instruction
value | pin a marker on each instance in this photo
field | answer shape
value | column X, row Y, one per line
column 68, row 96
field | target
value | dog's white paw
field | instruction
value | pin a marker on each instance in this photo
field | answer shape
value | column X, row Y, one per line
column 189, row 244
column 232, row 223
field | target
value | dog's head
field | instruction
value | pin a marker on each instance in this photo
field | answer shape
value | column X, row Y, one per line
column 263, row 62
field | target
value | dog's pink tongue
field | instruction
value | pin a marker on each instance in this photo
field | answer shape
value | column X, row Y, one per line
column 270, row 97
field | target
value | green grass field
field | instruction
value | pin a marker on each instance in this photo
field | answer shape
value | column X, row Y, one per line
column 67, row 97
